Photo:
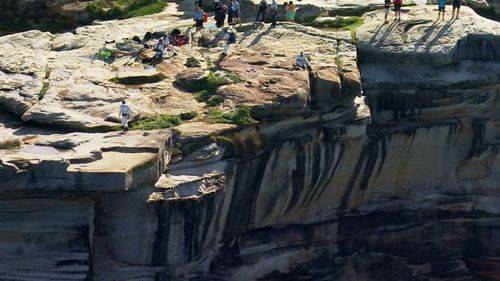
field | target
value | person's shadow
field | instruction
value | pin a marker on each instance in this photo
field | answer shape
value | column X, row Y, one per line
column 441, row 32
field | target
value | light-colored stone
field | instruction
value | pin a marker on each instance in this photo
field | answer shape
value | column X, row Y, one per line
column 420, row 39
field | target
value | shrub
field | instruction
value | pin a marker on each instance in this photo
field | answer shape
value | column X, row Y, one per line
column 215, row 100
column 10, row 143
column 349, row 23
column 43, row 91
column 158, row 122
column 240, row 116
column 120, row 9
column 206, row 88
column 188, row 115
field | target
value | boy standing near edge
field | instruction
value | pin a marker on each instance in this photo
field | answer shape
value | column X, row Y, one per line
column 274, row 12
column 441, row 6
column 456, row 6
column 397, row 9
column 387, row 7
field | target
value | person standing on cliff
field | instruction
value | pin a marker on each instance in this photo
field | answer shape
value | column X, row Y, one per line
column 397, row 9
column 290, row 12
column 235, row 11
column 441, row 7
column 262, row 10
column 125, row 112
column 274, row 12
column 387, row 7
column 198, row 18
column 456, row 6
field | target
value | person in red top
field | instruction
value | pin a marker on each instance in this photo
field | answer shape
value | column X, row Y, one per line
column 397, row 9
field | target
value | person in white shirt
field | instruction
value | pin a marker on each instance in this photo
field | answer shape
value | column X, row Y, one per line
column 125, row 112
column 274, row 12
column 301, row 61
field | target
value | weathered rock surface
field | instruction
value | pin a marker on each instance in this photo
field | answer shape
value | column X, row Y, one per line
column 485, row 6
column 420, row 39
column 58, row 80
column 44, row 10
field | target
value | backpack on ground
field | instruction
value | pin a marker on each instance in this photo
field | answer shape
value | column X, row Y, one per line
column 232, row 38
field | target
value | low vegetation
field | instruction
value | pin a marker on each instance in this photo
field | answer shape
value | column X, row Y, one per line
column 348, row 23
column 188, row 115
column 157, row 122
column 43, row 91
column 206, row 89
column 240, row 116
column 121, row 9
column 10, row 143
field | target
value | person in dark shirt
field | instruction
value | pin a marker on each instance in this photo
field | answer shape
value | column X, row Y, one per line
column 262, row 10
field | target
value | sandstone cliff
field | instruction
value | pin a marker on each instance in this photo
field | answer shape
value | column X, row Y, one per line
column 378, row 163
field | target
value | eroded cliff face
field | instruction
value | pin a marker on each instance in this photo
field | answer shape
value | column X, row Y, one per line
column 387, row 176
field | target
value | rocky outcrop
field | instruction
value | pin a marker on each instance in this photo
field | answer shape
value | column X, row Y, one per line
column 43, row 10
column 488, row 7
column 420, row 40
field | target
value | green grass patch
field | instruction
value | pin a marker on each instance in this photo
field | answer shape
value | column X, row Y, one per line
column 240, row 116
column 215, row 100
column 121, row 9
column 188, row 115
column 105, row 54
column 177, row 151
column 348, row 23
column 10, row 143
column 43, row 91
column 158, row 122
column 206, row 89
column 307, row 20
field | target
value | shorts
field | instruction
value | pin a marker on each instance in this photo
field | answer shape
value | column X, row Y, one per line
column 397, row 7
column 199, row 23
column 386, row 10
column 441, row 8
column 235, row 14
column 456, row 4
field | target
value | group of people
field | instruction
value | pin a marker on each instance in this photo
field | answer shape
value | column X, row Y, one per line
column 167, row 42
column 441, row 8
column 232, row 10
column 288, row 9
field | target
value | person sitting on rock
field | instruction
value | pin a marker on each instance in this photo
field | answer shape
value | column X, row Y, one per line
column 198, row 18
column 159, row 49
column 387, row 7
column 301, row 61
column 125, row 112
column 262, row 10
column 441, row 7
column 397, row 9
column 229, row 38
